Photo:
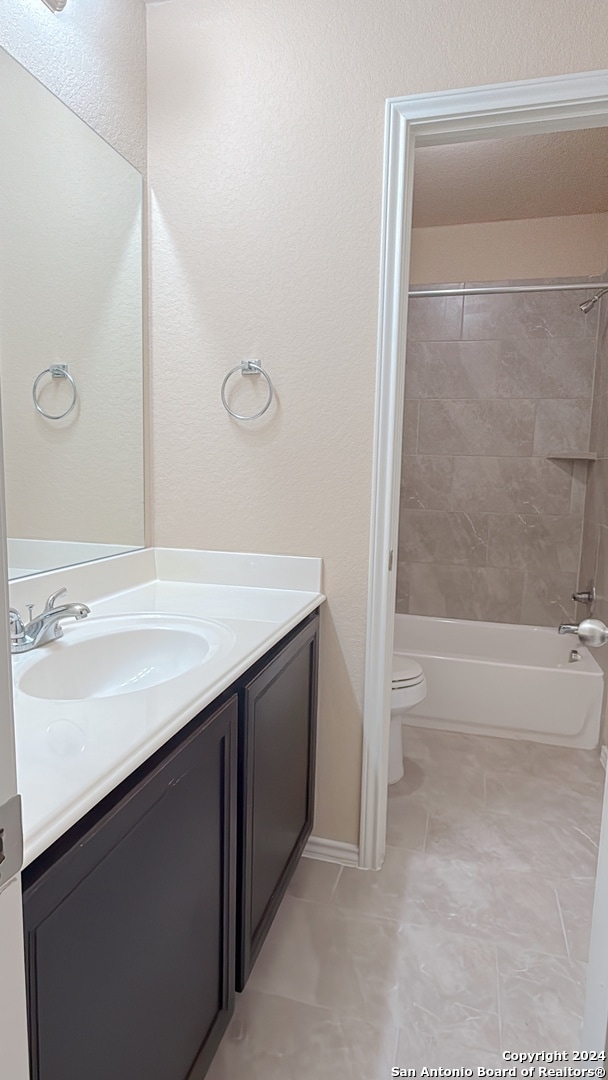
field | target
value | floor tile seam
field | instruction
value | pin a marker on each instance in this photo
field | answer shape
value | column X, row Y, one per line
column 490, row 936
column 553, row 880
column 335, row 884
column 515, row 862
column 493, row 941
column 441, row 921
column 334, row 1014
column 426, row 829
column 511, row 864
column 284, row 997
column 491, row 813
column 338, row 1014
column 499, row 1000
column 562, row 922
column 334, row 907
column 396, row 1062
column 550, row 820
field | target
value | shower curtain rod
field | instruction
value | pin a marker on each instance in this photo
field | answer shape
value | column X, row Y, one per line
column 484, row 290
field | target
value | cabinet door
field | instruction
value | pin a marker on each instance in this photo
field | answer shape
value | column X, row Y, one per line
column 130, row 931
column 277, row 738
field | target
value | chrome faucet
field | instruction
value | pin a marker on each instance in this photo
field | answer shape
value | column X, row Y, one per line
column 46, row 626
column 590, row 632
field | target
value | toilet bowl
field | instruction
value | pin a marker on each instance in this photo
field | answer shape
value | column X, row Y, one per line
column 408, row 688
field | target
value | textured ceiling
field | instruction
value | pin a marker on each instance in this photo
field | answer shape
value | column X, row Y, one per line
column 507, row 179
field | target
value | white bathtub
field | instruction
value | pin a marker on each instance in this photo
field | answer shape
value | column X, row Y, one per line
column 499, row 679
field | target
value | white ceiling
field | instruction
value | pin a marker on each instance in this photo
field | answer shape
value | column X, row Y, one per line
column 512, row 178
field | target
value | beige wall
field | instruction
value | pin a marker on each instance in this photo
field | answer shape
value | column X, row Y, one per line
column 550, row 247
column 266, row 129
column 93, row 56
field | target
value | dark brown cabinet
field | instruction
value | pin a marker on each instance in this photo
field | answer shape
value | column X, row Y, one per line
column 143, row 917
column 277, row 738
column 130, row 924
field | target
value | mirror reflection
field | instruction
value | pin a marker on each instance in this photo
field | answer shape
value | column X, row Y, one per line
column 70, row 333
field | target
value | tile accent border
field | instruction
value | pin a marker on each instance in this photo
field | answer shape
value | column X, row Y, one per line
column 332, row 851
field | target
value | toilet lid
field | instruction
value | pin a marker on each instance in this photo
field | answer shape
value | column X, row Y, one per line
column 406, row 671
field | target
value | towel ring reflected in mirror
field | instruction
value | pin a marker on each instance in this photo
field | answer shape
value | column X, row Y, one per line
column 247, row 367
column 56, row 371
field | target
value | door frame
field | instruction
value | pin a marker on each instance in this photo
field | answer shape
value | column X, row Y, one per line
column 13, row 1016
column 537, row 106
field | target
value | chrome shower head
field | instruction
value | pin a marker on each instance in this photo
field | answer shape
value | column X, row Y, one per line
column 588, row 304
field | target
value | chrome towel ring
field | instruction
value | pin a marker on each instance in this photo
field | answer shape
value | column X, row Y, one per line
column 247, row 367
column 56, row 371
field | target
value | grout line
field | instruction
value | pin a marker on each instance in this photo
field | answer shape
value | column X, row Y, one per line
column 561, row 919
column 498, row 999
column 332, row 893
column 396, row 1063
column 426, row 828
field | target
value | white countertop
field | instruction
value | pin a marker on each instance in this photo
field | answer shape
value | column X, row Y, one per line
column 70, row 754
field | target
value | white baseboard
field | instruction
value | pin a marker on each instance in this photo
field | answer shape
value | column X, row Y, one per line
column 604, row 755
column 332, row 851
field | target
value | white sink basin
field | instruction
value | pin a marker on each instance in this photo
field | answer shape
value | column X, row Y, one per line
column 120, row 654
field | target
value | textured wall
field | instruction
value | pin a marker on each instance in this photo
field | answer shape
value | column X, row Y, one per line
column 266, row 129
column 489, row 528
column 550, row 247
column 93, row 56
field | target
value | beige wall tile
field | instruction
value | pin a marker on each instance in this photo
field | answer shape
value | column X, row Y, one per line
column 547, row 598
column 517, row 386
column 434, row 318
column 500, row 427
column 578, row 491
column 535, row 541
column 466, row 592
column 547, row 368
column 426, row 482
column 518, row 485
column 453, row 369
column 410, row 427
column 524, row 315
column 437, row 536
column 587, row 572
column 402, row 599
column 562, row 425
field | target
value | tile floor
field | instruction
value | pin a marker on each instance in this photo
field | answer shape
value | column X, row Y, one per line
column 471, row 940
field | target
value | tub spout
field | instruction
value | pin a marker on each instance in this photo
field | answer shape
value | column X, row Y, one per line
column 590, row 632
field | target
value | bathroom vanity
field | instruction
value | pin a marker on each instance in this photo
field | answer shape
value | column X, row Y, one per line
column 144, row 916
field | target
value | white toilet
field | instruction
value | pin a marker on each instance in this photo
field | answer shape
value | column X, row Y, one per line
column 408, row 688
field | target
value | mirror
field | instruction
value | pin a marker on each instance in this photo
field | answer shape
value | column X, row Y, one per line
column 70, row 333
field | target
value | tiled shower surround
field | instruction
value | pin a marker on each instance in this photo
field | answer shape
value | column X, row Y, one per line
column 491, row 526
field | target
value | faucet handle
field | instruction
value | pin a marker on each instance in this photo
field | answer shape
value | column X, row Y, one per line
column 50, row 604
column 587, row 596
column 17, row 628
